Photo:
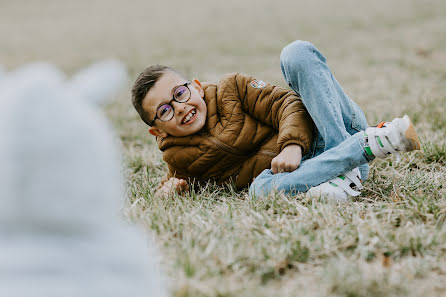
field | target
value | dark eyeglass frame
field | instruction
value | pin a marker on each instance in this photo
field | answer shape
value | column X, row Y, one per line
column 169, row 103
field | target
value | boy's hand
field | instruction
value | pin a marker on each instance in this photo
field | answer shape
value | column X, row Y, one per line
column 288, row 160
column 173, row 184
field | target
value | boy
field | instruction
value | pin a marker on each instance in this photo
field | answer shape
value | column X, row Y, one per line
column 313, row 139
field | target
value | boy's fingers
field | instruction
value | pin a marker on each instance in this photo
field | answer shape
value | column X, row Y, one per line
column 185, row 186
column 166, row 189
column 175, row 181
column 278, row 165
column 281, row 168
column 171, row 182
column 182, row 185
column 274, row 169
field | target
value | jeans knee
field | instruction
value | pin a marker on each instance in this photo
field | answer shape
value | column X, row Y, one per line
column 255, row 190
column 299, row 57
column 296, row 52
column 261, row 185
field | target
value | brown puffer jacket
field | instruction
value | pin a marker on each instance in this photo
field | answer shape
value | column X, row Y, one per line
column 248, row 123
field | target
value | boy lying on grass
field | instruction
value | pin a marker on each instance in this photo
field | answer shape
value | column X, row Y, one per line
column 312, row 138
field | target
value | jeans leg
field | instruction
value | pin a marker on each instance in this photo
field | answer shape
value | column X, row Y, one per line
column 344, row 157
column 338, row 120
column 335, row 115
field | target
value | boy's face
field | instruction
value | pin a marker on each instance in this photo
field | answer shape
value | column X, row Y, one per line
column 189, row 117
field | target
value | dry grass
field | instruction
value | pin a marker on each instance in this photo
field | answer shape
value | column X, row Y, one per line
column 390, row 57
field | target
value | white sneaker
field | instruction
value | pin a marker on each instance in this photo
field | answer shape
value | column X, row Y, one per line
column 339, row 188
column 393, row 137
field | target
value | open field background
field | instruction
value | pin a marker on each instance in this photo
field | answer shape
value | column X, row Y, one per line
column 390, row 57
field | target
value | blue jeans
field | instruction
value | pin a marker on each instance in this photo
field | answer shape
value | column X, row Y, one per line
column 338, row 143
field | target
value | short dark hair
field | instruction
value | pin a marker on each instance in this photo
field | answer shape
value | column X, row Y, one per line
column 145, row 81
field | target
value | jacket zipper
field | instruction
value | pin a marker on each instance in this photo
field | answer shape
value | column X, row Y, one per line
column 229, row 149
column 267, row 153
column 224, row 147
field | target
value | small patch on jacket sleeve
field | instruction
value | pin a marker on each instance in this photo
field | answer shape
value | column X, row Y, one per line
column 258, row 84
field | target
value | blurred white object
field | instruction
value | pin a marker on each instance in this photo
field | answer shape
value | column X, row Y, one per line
column 99, row 82
column 61, row 190
column 2, row 72
column 22, row 79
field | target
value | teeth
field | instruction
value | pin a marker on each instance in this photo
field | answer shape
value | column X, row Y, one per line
column 189, row 116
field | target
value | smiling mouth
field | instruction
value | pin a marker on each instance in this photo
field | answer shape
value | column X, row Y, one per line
column 190, row 115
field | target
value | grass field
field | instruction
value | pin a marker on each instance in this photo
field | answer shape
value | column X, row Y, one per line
column 390, row 57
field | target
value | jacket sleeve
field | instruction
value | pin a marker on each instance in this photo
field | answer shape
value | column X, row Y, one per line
column 166, row 176
column 279, row 107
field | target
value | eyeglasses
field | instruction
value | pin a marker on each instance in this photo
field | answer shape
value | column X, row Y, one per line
column 166, row 112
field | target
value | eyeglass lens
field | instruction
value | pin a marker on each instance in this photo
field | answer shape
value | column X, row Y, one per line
column 181, row 94
column 165, row 112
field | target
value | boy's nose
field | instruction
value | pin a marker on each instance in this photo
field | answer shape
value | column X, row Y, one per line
column 179, row 107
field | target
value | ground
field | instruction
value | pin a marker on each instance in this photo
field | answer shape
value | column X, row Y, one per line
column 389, row 56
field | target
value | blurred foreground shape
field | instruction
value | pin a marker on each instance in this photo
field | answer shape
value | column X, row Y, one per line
column 61, row 189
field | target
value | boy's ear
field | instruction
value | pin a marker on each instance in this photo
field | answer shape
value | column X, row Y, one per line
column 197, row 85
column 157, row 132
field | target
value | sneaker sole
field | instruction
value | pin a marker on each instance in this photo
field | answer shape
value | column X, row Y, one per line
column 412, row 141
